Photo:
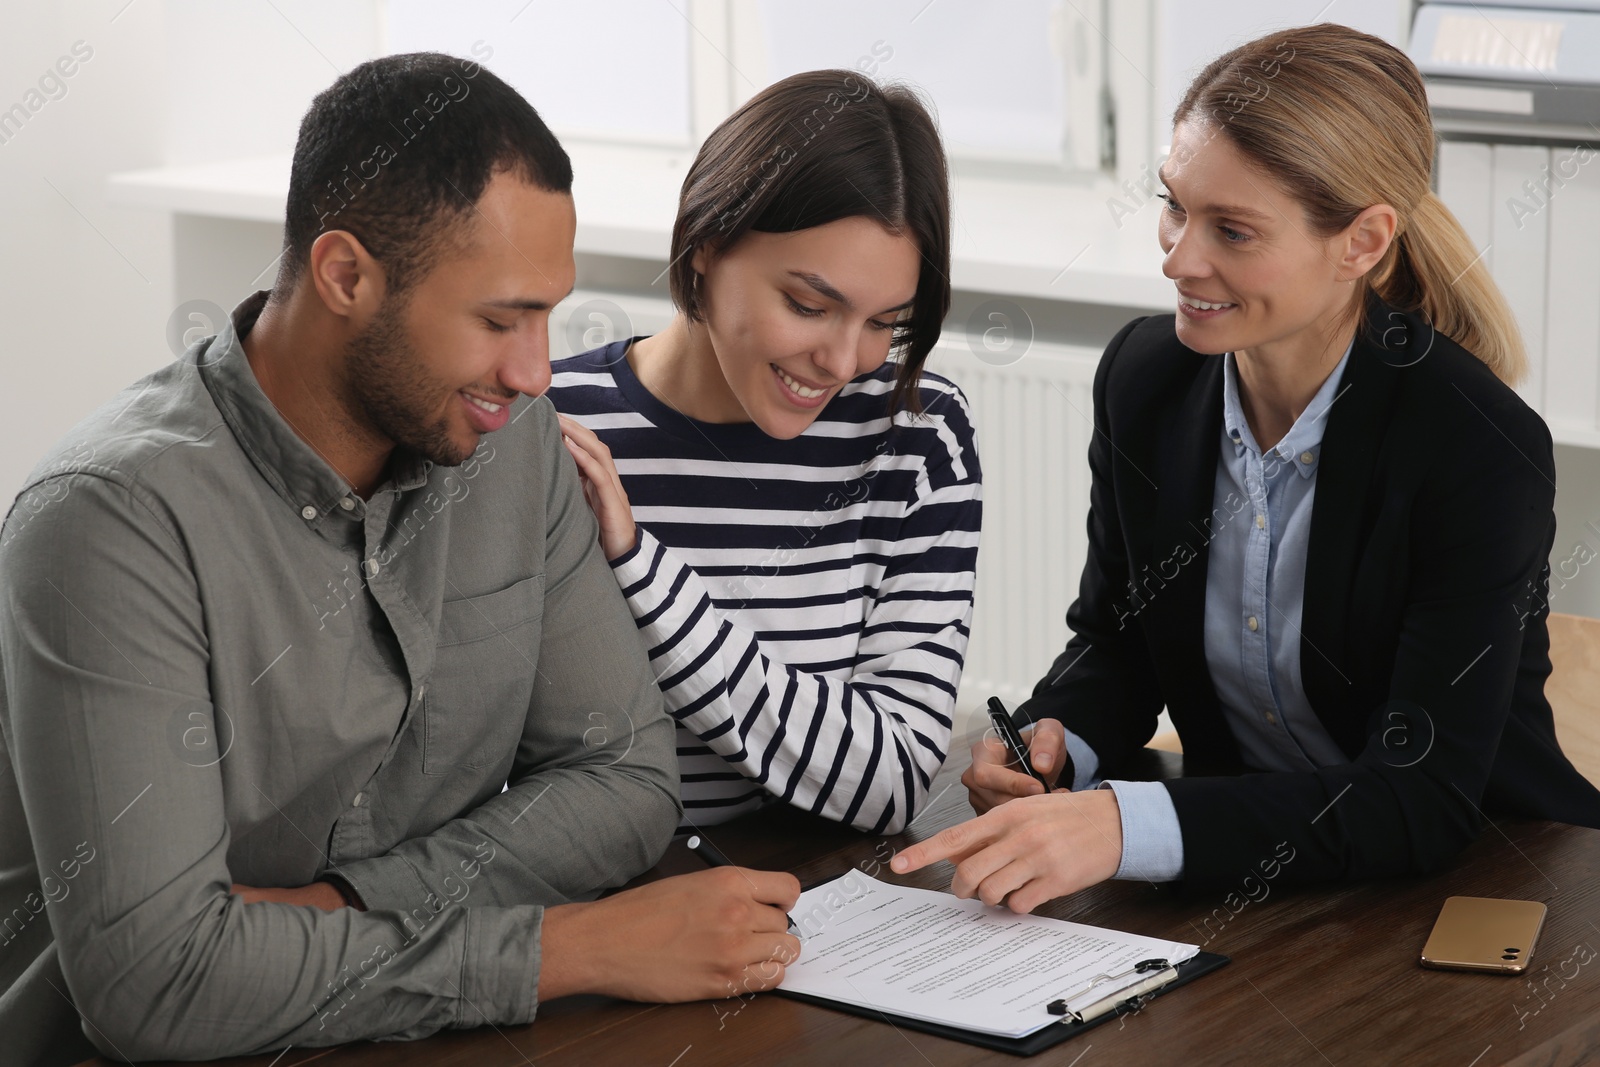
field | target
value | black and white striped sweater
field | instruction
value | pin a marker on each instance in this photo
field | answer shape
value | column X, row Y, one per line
column 806, row 603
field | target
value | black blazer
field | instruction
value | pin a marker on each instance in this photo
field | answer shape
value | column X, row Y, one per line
column 1424, row 650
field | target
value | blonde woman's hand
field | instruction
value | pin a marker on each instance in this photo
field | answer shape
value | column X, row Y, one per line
column 601, row 487
column 991, row 780
column 1031, row 850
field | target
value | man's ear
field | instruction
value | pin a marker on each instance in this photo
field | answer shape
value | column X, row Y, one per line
column 1368, row 237
column 349, row 282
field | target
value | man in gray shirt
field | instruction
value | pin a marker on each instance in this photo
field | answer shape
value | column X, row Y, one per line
column 322, row 717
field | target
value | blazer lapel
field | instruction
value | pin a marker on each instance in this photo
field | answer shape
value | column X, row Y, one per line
column 1351, row 442
column 1176, row 573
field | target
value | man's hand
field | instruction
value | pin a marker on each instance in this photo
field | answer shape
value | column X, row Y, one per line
column 710, row 934
column 316, row 895
column 990, row 782
column 1029, row 851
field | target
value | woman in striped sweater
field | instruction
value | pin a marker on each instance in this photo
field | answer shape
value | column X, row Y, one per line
column 793, row 515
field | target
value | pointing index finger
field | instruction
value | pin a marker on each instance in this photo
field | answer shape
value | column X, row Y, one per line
column 953, row 843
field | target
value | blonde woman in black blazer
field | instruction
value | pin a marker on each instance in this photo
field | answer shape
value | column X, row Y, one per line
column 1330, row 307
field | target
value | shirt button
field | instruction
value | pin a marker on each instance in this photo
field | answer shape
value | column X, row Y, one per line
column 308, row 513
column 1271, row 718
column 370, row 568
column 1261, row 522
column 422, row 691
column 1252, row 623
column 346, row 503
column 358, row 800
column 1307, row 457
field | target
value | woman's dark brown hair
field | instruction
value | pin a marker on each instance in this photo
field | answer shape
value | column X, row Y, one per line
column 812, row 149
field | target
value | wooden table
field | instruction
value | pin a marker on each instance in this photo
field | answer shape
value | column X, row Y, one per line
column 1318, row 976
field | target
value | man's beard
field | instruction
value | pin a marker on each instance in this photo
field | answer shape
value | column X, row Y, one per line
column 388, row 386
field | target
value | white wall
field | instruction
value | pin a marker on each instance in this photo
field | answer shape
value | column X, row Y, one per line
column 248, row 70
column 1189, row 35
column 82, row 283
column 87, row 286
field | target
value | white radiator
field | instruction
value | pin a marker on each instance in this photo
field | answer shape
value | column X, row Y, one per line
column 1034, row 422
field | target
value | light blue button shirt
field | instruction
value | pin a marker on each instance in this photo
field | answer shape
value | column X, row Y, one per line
column 1255, row 587
column 1255, row 584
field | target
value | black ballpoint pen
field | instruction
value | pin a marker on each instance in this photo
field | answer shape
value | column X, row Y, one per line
column 1000, row 719
column 714, row 858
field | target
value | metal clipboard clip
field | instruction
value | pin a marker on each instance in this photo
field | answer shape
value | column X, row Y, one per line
column 1158, row 971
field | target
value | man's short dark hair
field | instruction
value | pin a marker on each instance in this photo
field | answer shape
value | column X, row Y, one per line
column 398, row 151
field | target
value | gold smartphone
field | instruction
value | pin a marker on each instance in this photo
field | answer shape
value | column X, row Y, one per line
column 1484, row 934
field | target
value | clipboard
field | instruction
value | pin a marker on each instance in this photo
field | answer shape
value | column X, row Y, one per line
column 1039, row 1040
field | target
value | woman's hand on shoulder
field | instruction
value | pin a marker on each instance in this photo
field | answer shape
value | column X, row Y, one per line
column 602, row 488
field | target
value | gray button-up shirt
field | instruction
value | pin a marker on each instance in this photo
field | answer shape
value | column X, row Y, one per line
column 221, row 665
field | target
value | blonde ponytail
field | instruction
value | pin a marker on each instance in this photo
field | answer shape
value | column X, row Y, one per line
column 1340, row 119
column 1434, row 268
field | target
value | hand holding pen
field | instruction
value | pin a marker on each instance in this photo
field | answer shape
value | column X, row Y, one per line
column 1020, row 764
column 713, row 856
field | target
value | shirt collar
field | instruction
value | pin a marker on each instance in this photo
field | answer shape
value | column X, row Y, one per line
column 1302, row 445
column 291, row 466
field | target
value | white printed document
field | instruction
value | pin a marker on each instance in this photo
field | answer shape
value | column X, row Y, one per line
column 963, row 963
